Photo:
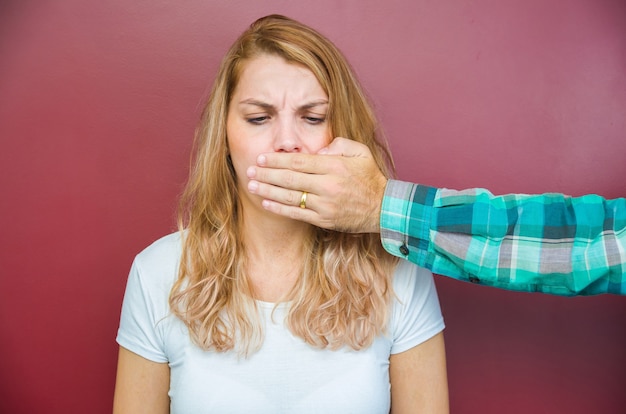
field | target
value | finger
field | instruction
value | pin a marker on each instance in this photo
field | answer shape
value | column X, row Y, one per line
column 345, row 147
column 280, row 195
column 306, row 163
column 285, row 179
column 307, row 215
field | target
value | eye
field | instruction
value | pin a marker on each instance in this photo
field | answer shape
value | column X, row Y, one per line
column 315, row 120
column 257, row 120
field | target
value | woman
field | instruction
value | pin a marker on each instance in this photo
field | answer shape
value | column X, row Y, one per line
column 246, row 311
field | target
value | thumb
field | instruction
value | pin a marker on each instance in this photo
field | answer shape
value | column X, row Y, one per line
column 345, row 147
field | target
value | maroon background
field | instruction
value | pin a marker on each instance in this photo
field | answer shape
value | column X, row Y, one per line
column 98, row 103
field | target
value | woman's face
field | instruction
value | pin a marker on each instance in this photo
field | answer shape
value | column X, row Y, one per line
column 277, row 106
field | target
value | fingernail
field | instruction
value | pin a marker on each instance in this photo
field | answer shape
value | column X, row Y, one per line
column 253, row 186
column 261, row 160
column 251, row 172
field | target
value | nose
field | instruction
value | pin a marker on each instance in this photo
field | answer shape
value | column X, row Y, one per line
column 286, row 137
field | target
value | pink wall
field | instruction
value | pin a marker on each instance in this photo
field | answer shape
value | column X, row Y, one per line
column 98, row 101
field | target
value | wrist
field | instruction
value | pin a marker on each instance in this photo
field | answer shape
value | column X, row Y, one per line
column 378, row 203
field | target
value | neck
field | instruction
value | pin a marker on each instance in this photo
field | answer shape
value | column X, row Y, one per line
column 269, row 233
column 274, row 249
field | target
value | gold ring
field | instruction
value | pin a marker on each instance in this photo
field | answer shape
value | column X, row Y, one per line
column 303, row 199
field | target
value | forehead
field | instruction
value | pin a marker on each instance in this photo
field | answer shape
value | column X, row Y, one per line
column 269, row 74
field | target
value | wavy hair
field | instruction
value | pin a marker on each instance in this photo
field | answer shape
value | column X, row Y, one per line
column 343, row 295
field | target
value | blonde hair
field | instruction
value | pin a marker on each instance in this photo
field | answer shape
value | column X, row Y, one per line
column 343, row 295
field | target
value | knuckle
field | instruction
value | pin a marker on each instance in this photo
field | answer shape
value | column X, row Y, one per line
column 298, row 163
column 294, row 214
column 290, row 197
column 290, row 179
column 263, row 174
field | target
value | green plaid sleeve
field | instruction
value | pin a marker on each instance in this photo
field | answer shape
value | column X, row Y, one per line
column 548, row 243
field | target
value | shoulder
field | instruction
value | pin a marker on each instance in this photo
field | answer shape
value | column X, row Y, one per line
column 158, row 263
column 164, row 252
column 164, row 248
column 409, row 279
column 143, row 322
column 416, row 314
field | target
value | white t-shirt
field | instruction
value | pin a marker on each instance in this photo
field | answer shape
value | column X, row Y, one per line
column 286, row 375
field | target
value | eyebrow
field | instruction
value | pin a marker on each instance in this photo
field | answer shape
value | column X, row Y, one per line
column 265, row 105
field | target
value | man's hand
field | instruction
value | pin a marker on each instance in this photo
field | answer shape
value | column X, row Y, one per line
column 345, row 187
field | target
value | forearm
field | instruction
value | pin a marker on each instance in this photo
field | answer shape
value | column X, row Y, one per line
column 548, row 243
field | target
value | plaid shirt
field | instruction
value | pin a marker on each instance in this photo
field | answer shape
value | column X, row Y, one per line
column 547, row 243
